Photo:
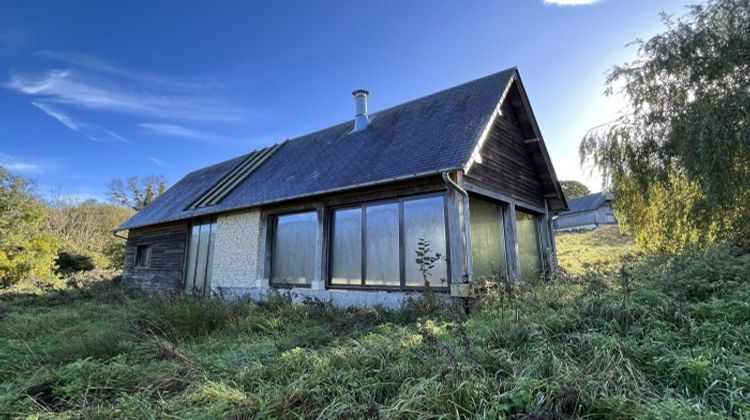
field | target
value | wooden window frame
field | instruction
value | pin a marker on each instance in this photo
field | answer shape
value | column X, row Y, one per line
column 271, row 225
column 536, row 218
column 200, row 220
column 402, row 252
column 139, row 253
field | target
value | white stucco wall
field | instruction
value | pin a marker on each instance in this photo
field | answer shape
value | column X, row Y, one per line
column 236, row 250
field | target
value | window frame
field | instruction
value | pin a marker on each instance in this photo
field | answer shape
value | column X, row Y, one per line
column 504, row 210
column 272, row 225
column 139, row 253
column 213, row 221
column 536, row 219
column 401, row 244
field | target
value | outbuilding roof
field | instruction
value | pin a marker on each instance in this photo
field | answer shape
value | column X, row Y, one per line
column 425, row 136
column 587, row 202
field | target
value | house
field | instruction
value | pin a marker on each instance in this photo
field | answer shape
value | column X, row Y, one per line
column 338, row 214
column 587, row 212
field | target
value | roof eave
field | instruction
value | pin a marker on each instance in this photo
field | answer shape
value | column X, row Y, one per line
column 516, row 77
column 296, row 197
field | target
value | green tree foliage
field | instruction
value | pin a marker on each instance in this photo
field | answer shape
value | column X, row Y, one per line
column 26, row 252
column 136, row 192
column 85, row 230
column 679, row 160
column 574, row 189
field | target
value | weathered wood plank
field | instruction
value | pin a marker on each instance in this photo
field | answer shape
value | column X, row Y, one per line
column 168, row 244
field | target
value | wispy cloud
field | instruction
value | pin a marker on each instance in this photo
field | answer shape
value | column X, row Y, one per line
column 23, row 167
column 91, row 131
column 157, row 161
column 179, row 131
column 15, row 164
column 70, row 88
column 104, row 66
column 571, row 2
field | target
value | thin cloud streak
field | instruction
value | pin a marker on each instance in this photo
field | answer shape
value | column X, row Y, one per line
column 97, row 64
column 178, row 131
column 157, row 161
column 70, row 88
column 571, row 2
column 91, row 131
column 13, row 164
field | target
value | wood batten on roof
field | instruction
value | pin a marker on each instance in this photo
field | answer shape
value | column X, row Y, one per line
column 515, row 96
column 240, row 172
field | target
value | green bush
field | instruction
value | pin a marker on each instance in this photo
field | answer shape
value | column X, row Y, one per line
column 26, row 253
column 68, row 262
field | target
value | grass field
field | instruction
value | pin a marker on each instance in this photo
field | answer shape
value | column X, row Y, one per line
column 669, row 337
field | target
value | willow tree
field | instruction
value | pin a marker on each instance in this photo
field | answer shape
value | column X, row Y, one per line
column 679, row 158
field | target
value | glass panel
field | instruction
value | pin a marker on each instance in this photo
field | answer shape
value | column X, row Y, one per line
column 528, row 246
column 147, row 256
column 487, row 239
column 192, row 258
column 211, row 242
column 202, row 259
column 346, row 262
column 382, row 245
column 294, row 248
column 424, row 219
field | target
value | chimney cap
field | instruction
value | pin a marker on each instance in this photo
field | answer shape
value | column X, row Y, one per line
column 360, row 91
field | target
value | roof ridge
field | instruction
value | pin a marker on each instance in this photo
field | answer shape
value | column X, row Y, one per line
column 351, row 121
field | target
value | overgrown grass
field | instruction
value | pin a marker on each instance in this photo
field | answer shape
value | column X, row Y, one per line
column 604, row 249
column 673, row 341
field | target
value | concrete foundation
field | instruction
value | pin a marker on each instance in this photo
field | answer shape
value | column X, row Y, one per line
column 337, row 298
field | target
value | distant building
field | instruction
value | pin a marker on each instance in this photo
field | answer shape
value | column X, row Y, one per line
column 588, row 212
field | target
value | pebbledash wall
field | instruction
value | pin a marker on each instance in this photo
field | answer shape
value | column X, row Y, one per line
column 236, row 252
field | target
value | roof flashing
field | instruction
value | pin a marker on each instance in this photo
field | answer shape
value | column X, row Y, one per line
column 239, row 173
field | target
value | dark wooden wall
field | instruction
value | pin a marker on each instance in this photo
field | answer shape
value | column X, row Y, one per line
column 168, row 245
column 507, row 166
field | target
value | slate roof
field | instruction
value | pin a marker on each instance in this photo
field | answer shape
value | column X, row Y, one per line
column 587, row 203
column 425, row 136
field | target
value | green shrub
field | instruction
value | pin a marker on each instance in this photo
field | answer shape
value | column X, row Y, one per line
column 69, row 262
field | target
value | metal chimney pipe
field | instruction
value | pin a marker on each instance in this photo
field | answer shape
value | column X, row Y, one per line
column 361, row 119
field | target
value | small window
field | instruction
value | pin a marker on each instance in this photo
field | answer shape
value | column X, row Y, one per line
column 143, row 255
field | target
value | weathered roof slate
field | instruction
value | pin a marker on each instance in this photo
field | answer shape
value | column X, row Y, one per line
column 587, row 203
column 428, row 135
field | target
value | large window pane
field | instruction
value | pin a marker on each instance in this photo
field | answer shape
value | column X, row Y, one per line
column 200, row 257
column 346, row 261
column 424, row 219
column 528, row 246
column 195, row 233
column 294, row 248
column 382, row 245
column 487, row 239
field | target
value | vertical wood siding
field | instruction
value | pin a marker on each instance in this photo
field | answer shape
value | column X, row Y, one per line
column 507, row 166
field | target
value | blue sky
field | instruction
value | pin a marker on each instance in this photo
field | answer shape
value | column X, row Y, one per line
column 94, row 90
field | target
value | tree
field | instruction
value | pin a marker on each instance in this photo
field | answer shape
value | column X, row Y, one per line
column 679, row 159
column 25, row 251
column 136, row 192
column 574, row 189
column 85, row 229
